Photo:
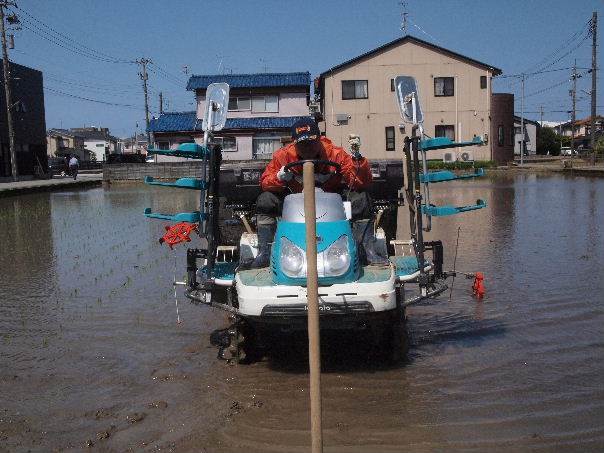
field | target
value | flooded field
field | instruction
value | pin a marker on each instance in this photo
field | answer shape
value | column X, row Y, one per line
column 92, row 355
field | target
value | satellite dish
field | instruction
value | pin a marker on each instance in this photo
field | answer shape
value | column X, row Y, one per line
column 407, row 97
column 217, row 101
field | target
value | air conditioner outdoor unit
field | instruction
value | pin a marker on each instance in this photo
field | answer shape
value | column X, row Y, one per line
column 342, row 118
column 466, row 156
column 449, row 157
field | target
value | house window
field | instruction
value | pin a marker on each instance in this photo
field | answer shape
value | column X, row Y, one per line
column 500, row 135
column 160, row 145
column 445, row 130
column 100, row 145
column 354, row 89
column 239, row 103
column 264, row 147
column 228, row 144
column 444, row 86
column 269, row 104
column 390, row 138
column 483, row 81
column 391, row 84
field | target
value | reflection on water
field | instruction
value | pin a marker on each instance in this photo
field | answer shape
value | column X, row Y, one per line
column 88, row 335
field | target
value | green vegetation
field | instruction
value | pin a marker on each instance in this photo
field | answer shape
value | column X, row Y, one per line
column 548, row 141
column 460, row 165
column 599, row 146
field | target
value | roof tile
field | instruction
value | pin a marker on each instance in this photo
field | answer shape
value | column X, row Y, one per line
column 263, row 80
column 187, row 121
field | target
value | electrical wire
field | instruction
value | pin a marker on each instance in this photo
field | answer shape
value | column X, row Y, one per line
column 539, row 66
column 68, row 41
column 114, row 104
column 167, row 76
column 531, row 73
column 71, row 49
column 543, row 90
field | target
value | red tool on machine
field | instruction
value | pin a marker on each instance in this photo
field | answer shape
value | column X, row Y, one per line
column 178, row 233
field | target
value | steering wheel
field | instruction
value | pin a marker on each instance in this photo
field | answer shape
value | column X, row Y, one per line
column 300, row 163
column 319, row 181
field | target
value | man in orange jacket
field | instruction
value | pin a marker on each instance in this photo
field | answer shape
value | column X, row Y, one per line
column 276, row 182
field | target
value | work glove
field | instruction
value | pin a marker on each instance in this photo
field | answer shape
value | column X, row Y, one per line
column 284, row 175
column 355, row 145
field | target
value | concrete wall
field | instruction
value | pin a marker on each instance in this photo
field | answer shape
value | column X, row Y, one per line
column 530, row 137
column 98, row 147
column 137, row 172
column 468, row 110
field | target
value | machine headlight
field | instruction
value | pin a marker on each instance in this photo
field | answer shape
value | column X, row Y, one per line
column 293, row 262
column 336, row 259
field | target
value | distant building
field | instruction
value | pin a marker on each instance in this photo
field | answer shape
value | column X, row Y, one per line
column 97, row 140
column 531, row 132
column 261, row 110
column 63, row 143
column 28, row 120
column 455, row 91
column 582, row 128
column 132, row 145
column 551, row 124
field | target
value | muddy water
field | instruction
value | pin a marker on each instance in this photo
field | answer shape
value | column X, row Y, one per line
column 92, row 355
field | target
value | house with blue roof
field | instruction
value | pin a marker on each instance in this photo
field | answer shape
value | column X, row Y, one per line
column 262, row 108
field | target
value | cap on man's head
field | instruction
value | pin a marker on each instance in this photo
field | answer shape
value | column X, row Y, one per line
column 305, row 129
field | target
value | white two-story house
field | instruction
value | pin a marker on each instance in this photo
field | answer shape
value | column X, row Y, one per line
column 262, row 108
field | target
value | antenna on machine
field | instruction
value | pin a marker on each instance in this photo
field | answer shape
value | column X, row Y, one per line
column 404, row 15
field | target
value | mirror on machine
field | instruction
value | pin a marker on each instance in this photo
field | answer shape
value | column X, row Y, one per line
column 217, row 101
column 407, row 96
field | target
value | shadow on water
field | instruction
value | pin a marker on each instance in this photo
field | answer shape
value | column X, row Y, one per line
column 340, row 352
column 460, row 329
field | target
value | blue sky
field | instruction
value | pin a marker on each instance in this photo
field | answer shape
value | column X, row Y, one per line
column 211, row 37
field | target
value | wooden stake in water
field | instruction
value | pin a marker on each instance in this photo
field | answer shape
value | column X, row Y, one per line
column 312, row 297
column 174, row 285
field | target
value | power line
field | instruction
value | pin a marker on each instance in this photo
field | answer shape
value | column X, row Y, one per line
column 91, row 87
column 531, row 73
column 72, row 49
column 69, row 41
column 115, row 104
column 543, row 90
column 539, row 66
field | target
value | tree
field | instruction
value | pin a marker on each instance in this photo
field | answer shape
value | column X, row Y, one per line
column 599, row 146
column 548, row 141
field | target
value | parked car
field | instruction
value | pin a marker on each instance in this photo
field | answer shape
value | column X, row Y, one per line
column 58, row 166
column 566, row 151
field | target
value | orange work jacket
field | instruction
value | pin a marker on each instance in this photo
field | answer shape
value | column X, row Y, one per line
column 355, row 173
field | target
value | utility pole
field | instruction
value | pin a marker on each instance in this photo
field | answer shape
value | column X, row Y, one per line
column 404, row 14
column 144, row 76
column 541, row 122
column 522, row 123
column 574, row 112
column 7, row 90
column 161, row 103
column 594, row 33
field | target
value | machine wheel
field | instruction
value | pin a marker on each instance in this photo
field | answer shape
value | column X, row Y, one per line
column 391, row 343
column 243, row 348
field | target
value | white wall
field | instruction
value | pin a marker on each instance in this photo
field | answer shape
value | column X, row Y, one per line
column 97, row 147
